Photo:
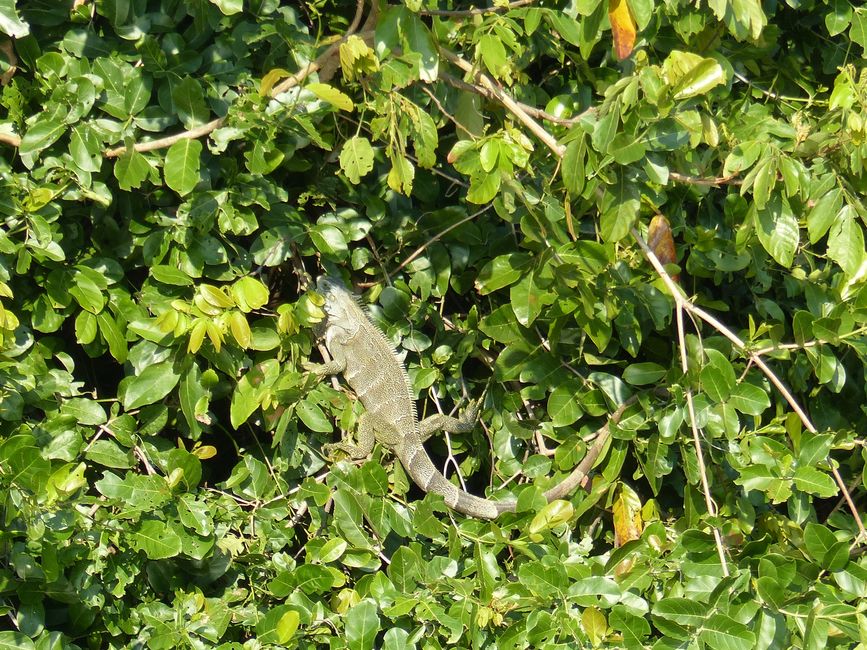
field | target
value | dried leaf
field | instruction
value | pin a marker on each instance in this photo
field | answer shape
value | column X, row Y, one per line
column 661, row 242
column 622, row 28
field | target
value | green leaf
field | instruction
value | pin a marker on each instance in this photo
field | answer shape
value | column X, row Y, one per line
column 640, row 374
column 717, row 376
column 15, row 640
column 484, row 187
column 170, row 275
column 189, row 103
column 108, row 454
column 684, row 611
column 777, row 228
column 361, row 625
column 85, row 411
column 181, row 167
column 823, row 214
column 813, row 481
column 824, row 547
column 229, row 7
column 250, row 294
column 527, row 299
column 858, row 29
column 131, row 169
column 721, row 632
column 10, row 23
column 356, row 158
column 493, row 54
column 563, row 407
column 846, row 241
column 331, row 95
column 157, row 540
column 749, row 399
column 113, row 335
column 417, row 38
column 572, row 167
column 151, row 385
column 329, row 240
column 619, row 210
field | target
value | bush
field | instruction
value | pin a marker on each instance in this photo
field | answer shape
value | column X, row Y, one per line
column 173, row 173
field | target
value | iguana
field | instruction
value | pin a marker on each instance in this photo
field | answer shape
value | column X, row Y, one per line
column 369, row 364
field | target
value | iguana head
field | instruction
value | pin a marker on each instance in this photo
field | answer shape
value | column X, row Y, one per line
column 339, row 301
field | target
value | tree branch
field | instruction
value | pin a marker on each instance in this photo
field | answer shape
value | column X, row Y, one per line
column 475, row 11
column 283, row 86
column 684, row 304
column 537, row 113
column 506, row 100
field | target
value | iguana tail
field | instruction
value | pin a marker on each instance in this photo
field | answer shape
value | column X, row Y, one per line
column 425, row 474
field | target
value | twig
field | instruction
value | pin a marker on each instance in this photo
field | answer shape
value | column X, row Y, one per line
column 11, row 139
column 680, row 300
column 168, row 141
column 506, row 100
column 698, row 180
column 282, row 87
column 710, row 504
column 418, row 251
column 537, row 113
column 475, row 11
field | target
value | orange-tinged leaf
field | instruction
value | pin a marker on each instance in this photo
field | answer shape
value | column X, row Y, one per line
column 622, row 28
column 661, row 242
column 627, row 515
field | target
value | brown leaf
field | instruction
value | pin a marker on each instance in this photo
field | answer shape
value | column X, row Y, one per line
column 622, row 28
column 661, row 242
column 7, row 51
column 627, row 522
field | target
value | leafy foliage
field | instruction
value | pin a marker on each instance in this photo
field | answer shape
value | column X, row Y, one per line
column 171, row 169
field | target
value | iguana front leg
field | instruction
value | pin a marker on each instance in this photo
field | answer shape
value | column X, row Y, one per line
column 461, row 424
column 333, row 367
column 365, row 437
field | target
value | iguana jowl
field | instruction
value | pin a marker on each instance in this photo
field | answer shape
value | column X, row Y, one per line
column 369, row 364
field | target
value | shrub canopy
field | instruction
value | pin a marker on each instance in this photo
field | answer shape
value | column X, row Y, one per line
column 171, row 172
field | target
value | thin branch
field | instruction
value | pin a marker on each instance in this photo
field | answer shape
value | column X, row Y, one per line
column 698, row 180
column 475, row 11
column 537, row 113
column 506, row 100
column 681, row 301
column 283, row 86
column 418, row 251
column 168, row 141
column 696, row 441
column 11, row 139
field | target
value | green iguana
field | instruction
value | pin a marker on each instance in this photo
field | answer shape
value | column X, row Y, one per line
column 369, row 363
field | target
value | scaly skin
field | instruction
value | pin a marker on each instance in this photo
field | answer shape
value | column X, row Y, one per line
column 369, row 364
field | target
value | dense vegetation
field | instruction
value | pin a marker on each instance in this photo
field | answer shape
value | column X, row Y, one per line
column 171, row 175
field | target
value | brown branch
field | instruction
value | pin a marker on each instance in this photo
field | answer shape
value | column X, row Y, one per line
column 698, row 180
column 684, row 304
column 168, row 141
column 537, row 113
column 475, row 11
column 283, row 86
column 506, row 100
column 11, row 139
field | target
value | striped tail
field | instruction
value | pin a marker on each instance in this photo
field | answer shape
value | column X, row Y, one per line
column 425, row 474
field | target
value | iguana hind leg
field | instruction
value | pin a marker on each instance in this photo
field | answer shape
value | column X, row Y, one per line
column 461, row 424
column 365, row 437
